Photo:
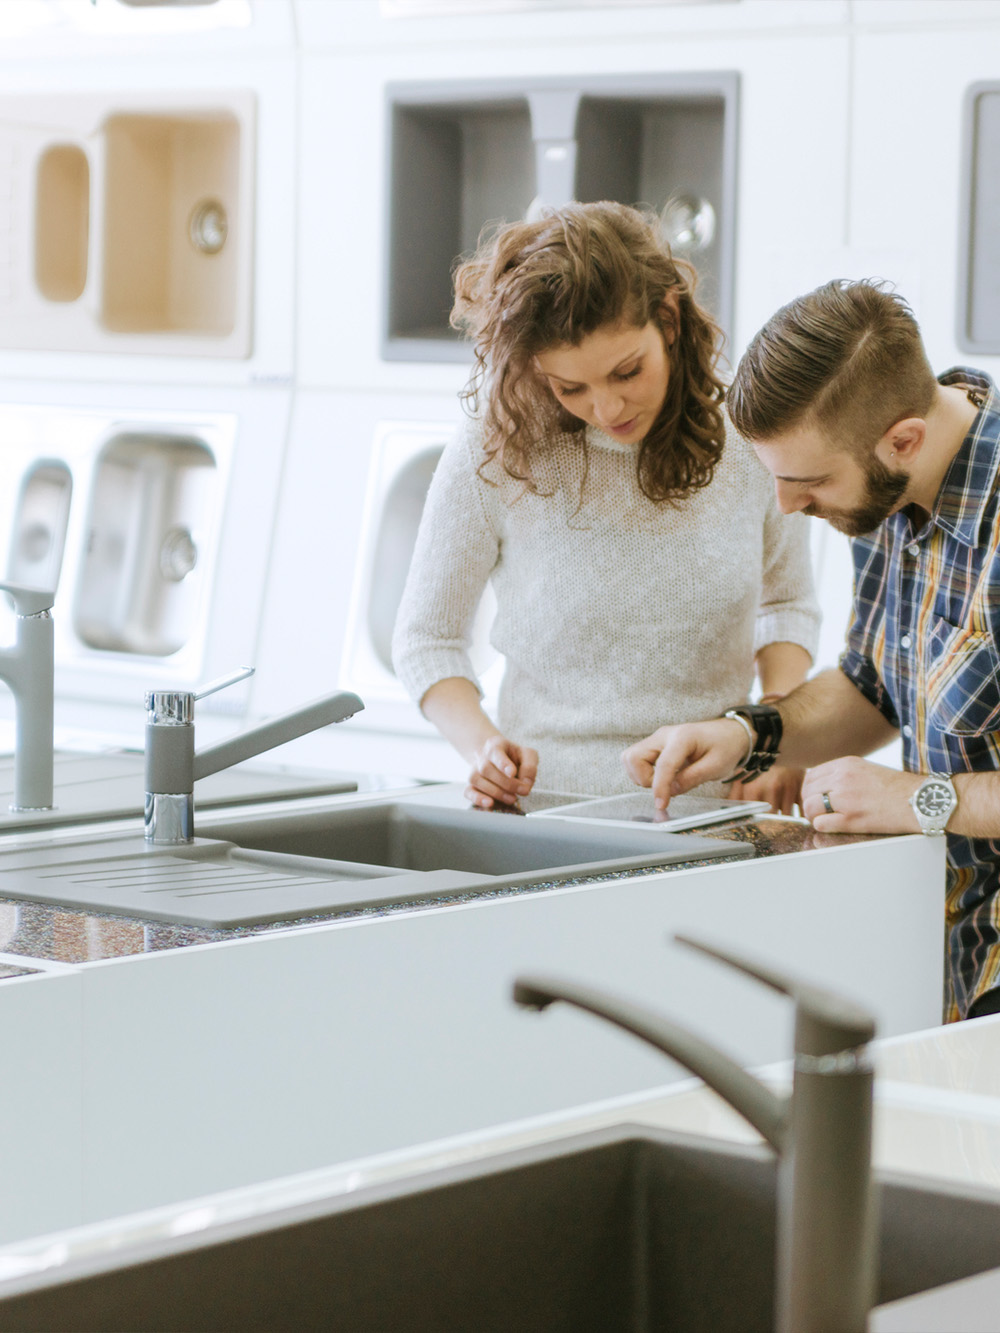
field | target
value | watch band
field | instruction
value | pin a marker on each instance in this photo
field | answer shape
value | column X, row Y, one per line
column 763, row 725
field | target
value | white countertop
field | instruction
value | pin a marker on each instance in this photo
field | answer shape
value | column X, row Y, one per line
column 937, row 1115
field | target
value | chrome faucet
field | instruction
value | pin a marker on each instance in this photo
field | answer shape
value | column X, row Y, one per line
column 27, row 668
column 173, row 767
column 826, row 1241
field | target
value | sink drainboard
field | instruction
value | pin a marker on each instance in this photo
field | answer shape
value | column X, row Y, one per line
column 252, row 870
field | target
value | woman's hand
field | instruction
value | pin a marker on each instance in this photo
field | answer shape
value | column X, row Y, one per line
column 502, row 771
column 780, row 787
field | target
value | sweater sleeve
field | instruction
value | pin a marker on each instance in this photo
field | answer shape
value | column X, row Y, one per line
column 789, row 611
column 456, row 549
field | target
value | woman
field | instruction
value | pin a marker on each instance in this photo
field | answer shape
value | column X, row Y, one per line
column 629, row 589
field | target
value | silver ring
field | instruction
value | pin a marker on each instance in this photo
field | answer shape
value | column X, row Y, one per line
column 827, row 803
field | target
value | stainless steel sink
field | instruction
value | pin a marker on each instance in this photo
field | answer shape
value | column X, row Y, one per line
column 316, row 859
column 623, row 1229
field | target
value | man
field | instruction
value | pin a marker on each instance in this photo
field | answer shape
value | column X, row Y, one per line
column 837, row 396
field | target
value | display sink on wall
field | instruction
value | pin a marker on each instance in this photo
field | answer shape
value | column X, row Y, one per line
column 462, row 155
column 122, row 518
column 128, row 222
column 403, row 459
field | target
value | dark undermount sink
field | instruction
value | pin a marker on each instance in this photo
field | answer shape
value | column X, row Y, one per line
column 623, row 1229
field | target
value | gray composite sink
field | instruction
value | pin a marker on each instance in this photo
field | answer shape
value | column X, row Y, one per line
column 621, row 1229
column 248, row 868
column 408, row 835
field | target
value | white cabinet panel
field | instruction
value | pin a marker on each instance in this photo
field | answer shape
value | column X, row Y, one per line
column 327, row 25
column 41, row 1124
column 905, row 188
column 917, row 13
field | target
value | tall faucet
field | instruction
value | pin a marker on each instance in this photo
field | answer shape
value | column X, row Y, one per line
column 173, row 767
column 27, row 668
column 822, row 1133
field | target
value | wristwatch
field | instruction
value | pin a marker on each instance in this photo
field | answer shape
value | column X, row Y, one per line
column 762, row 724
column 933, row 802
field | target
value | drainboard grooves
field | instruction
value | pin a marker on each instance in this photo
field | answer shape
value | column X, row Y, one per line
column 265, row 882
column 108, row 869
column 185, row 880
column 126, row 875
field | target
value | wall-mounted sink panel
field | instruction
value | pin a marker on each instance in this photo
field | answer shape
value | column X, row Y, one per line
column 151, row 501
column 130, row 222
column 123, row 513
column 615, row 1230
column 465, row 156
column 403, row 460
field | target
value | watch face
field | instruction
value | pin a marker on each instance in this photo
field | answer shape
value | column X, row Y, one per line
column 934, row 799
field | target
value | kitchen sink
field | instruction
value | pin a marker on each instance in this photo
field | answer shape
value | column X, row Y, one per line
column 410, row 835
column 317, row 858
column 627, row 1228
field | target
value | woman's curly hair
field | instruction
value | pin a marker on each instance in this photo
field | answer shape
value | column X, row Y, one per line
column 551, row 282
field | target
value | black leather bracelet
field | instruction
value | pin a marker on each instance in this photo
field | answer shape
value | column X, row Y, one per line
column 765, row 722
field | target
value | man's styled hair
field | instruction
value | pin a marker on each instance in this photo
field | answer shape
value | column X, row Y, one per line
column 846, row 358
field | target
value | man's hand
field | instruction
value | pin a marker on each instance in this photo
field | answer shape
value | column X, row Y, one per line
column 675, row 759
column 865, row 798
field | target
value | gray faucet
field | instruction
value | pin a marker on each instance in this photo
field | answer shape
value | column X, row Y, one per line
column 27, row 668
column 173, row 767
column 826, row 1245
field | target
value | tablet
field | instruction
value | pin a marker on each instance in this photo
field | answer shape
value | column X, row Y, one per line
column 637, row 807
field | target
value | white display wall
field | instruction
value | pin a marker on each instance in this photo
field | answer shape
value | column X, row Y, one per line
column 848, row 164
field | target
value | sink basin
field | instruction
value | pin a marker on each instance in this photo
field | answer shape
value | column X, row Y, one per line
column 619, row 1229
column 257, row 867
column 408, row 835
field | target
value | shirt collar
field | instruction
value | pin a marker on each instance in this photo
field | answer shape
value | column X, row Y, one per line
column 971, row 477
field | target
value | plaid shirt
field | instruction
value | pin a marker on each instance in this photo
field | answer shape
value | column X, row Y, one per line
column 924, row 648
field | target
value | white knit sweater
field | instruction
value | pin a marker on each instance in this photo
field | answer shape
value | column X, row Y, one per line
column 615, row 615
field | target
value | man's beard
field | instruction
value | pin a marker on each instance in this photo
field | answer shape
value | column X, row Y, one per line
column 883, row 491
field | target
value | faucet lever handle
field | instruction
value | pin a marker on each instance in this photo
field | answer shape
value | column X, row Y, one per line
column 29, row 601
column 233, row 678
column 825, row 1023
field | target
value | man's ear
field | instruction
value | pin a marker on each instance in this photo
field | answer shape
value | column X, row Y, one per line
column 670, row 317
column 902, row 442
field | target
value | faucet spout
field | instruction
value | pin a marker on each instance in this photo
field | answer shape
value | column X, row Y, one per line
column 826, row 1249
column 28, row 670
column 765, row 1110
column 322, row 712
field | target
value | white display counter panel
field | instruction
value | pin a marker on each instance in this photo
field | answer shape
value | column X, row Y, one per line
column 142, row 1081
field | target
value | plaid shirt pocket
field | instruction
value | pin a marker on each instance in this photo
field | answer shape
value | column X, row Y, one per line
column 963, row 681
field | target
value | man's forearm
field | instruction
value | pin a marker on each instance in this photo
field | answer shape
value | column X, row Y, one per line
column 828, row 717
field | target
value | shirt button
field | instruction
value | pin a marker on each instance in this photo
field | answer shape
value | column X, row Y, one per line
column 907, row 731
column 913, row 548
column 905, row 641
